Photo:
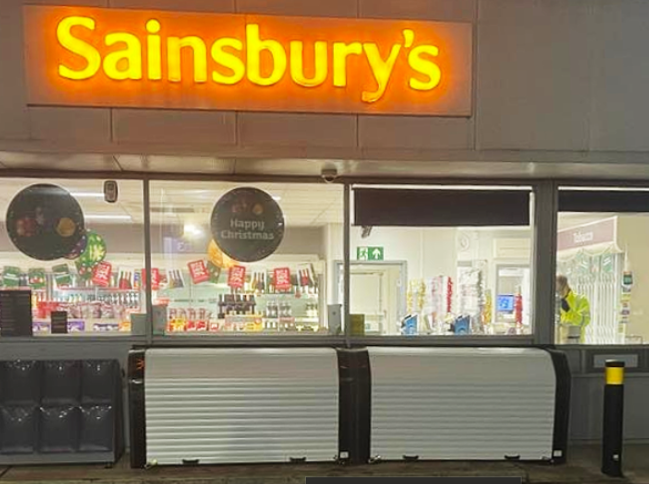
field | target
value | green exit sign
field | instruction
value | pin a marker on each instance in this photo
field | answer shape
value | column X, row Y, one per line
column 370, row 253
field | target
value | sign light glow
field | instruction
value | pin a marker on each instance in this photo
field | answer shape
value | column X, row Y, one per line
column 136, row 58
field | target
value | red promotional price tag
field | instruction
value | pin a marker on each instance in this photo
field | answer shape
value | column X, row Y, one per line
column 101, row 274
column 155, row 279
column 304, row 277
column 236, row 277
column 282, row 278
column 198, row 271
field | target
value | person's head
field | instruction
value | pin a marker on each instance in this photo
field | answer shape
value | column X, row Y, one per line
column 562, row 285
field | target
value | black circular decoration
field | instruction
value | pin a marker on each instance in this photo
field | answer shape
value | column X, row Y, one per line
column 247, row 224
column 45, row 222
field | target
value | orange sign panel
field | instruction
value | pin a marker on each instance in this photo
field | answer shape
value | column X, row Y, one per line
column 155, row 59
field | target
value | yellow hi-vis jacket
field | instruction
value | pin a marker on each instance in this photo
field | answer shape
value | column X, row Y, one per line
column 578, row 313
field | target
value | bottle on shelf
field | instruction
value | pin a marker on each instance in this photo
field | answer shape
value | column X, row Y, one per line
column 253, row 303
column 220, row 314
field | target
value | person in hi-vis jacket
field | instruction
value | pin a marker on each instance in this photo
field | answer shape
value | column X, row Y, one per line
column 574, row 312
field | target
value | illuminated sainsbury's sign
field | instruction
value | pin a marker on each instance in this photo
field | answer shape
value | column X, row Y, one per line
column 136, row 58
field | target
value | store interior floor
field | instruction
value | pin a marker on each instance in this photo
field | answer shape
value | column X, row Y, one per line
column 583, row 467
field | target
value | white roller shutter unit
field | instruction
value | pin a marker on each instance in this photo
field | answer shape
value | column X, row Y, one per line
column 241, row 405
column 462, row 403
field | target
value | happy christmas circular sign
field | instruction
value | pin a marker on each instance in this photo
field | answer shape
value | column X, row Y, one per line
column 45, row 222
column 247, row 224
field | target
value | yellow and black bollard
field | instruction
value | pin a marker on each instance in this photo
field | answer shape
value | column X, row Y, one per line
column 613, row 419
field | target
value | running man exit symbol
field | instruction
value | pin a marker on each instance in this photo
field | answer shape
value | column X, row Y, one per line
column 370, row 253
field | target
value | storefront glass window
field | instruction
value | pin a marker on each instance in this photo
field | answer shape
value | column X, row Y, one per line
column 441, row 261
column 602, row 266
column 261, row 263
column 77, row 258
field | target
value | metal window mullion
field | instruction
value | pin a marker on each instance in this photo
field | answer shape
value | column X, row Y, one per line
column 545, row 261
column 347, row 263
column 147, row 261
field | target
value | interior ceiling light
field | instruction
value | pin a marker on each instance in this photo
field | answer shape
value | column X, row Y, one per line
column 192, row 231
column 106, row 217
column 87, row 194
column 277, row 198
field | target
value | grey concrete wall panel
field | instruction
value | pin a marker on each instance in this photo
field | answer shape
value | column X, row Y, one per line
column 188, row 128
column 214, row 6
column 620, row 76
column 329, row 8
column 14, row 122
column 297, row 130
column 81, row 3
column 533, row 69
column 587, row 408
column 83, row 125
column 415, row 132
column 440, row 10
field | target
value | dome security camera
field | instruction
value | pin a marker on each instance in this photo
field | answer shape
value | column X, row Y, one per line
column 329, row 175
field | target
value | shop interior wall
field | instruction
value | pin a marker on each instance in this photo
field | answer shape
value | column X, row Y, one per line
column 129, row 239
column 408, row 244
column 430, row 252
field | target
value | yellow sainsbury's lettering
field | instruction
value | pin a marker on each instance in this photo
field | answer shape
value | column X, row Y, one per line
column 228, row 60
column 124, row 63
column 154, row 51
column 255, row 46
column 78, row 47
column 341, row 52
column 174, row 47
column 381, row 69
column 138, row 55
column 425, row 67
column 297, row 63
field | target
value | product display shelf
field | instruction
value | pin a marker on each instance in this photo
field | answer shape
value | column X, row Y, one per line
column 216, row 308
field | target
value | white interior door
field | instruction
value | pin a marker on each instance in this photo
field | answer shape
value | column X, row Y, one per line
column 367, row 298
column 377, row 290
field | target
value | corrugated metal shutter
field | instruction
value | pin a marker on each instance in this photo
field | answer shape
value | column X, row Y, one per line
column 462, row 403
column 241, row 405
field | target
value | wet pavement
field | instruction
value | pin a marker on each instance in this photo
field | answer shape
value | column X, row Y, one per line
column 582, row 467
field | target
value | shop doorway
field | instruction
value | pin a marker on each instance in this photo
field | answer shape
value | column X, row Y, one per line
column 378, row 291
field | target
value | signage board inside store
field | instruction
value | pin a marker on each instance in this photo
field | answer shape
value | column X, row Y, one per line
column 370, row 253
column 83, row 56
column 16, row 313
column 594, row 233
column 59, row 321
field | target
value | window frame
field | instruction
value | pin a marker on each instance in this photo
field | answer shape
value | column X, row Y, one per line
column 538, row 258
column 542, row 263
column 594, row 186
